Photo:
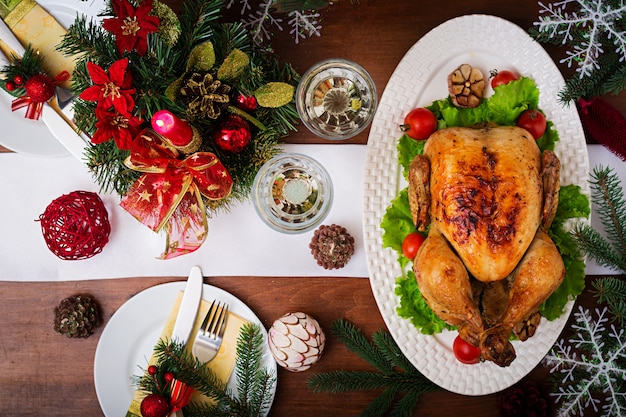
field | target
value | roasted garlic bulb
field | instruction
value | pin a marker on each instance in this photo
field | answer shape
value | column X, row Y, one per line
column 466, row 85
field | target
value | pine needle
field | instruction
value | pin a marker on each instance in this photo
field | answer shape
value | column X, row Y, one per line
column 402, row 384
column 254, row 383
column 607, row 192
column 612, row 290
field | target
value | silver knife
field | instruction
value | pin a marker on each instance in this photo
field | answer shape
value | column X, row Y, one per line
column 188, row 306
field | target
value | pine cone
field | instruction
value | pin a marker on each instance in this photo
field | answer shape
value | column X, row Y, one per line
column 332, row 246
column 204, row 95
column 77, row 316
column 524, row 400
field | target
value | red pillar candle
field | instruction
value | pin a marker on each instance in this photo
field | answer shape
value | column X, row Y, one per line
column 178, row 131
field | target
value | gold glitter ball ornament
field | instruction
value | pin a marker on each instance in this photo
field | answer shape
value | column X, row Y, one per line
column 296, row 341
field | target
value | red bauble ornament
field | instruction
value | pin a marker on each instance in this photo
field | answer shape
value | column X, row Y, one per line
column 76, row 225
column 152, row 370
column 154, row 405
column 18, row 79
column 10, row 86
column 39, row 88
column 168, row 376
column 246, row 103
column 233, row 134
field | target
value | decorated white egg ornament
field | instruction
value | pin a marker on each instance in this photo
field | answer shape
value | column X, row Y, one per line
column 296, row 341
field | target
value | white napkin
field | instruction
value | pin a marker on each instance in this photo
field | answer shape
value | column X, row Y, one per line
column 239, row 243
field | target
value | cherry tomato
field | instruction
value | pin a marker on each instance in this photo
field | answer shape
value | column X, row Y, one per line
column 503, row 77
column 419, row 123
column 464, row 352
column 534, row 121
column 411, row 244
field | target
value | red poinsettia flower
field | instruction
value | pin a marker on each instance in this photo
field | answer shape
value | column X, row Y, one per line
column 132, row 25
column 122, row 128
column 112, row 89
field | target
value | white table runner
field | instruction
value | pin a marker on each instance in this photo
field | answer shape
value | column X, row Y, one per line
column 239, row 243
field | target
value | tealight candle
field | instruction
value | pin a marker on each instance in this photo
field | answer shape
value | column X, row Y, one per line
column 178, row 131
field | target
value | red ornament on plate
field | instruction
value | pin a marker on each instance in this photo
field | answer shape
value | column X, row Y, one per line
column 39, row 88
column 154, row 405
column 233, row 134
column 76, row 225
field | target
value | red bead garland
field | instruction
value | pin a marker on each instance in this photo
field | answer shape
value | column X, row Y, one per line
column 76, row 225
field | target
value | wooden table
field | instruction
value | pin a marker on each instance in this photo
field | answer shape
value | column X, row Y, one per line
column 43, row 373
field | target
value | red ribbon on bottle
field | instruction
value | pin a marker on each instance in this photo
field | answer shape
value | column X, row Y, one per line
column 169, row 195
column 35, row 108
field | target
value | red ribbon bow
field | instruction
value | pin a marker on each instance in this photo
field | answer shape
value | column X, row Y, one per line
column 35, row 108
column 169, row 193
column 180, row 395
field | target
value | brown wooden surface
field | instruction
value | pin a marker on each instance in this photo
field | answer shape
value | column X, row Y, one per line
column 45, row 374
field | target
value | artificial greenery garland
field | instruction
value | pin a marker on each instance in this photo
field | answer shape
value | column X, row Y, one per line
column 167, row 58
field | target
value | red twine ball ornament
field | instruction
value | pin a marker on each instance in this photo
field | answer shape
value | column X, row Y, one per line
column 154, row 405
column 76, row 225
column 39, row 88
column 233, row 134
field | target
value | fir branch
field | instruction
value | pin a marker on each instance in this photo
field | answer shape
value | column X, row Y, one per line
column 609, row 77
column 607, row 191
column 355, row 340
column 254, row 383
column 612, row 290
column 606, row 186
column 106, row 162
column 231, row 36
column 592, row 243
column 198, row 19
column 402, row 383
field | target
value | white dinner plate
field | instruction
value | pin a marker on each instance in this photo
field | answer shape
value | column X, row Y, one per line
column 129, row 337
column 33, row 137
column 488, row 43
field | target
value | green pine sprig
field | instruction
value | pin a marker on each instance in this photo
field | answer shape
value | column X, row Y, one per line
column 607, row 191
column 255, row 384
column 401, row 382
column 612, row 290
column 30, row 63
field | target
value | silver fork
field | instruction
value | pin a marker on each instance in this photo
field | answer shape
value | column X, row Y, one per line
column 209, row 337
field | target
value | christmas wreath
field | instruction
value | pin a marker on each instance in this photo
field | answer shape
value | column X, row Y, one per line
column 181, row 111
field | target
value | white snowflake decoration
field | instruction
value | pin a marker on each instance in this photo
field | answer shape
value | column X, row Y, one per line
column 589, row 366
column 596, row 18
column 303, row 23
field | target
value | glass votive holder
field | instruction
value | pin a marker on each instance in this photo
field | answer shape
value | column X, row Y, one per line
column 292, row 193
column 336, row 99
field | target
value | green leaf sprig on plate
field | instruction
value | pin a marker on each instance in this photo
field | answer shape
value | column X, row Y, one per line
column 502, row 108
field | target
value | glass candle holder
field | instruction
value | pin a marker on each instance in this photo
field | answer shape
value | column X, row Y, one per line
column 292, row 193
column 336, row 99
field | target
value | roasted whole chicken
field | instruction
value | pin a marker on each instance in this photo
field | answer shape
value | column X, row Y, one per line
column 487, row 197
